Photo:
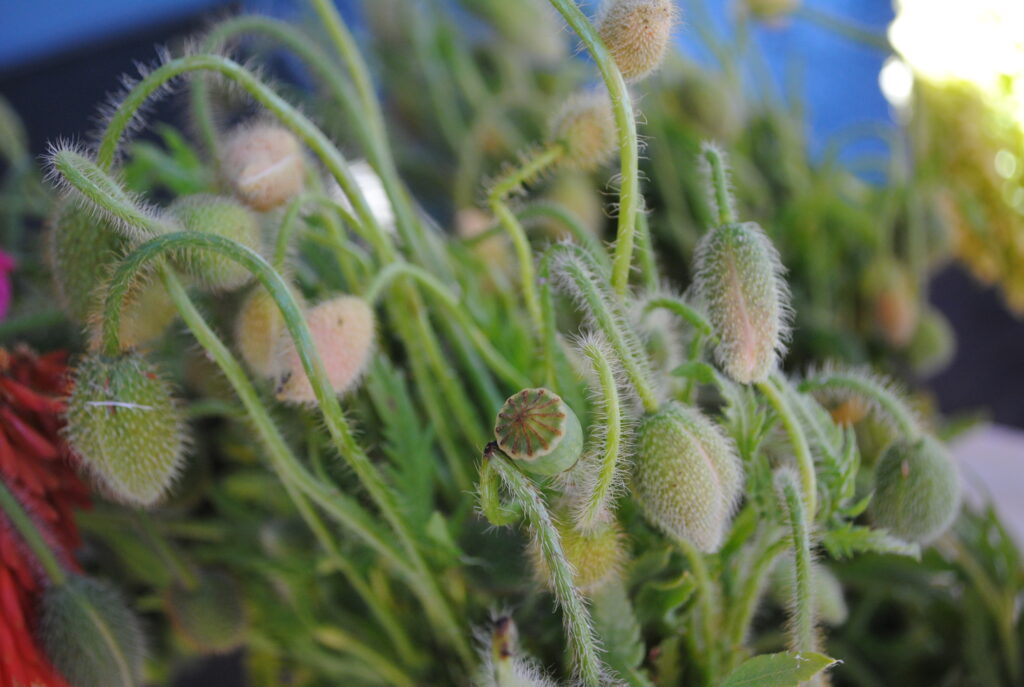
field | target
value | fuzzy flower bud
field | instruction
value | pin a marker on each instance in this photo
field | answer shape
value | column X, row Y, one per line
column 264, row 164
column 893, row 301
column 637, row 34
column 210, row 614
column 221, row 217
column 596, row 557
column 539, row 431
column 343, row 332
column 126, row 426
column 82, row 247
column 259, row 332
column 586, row 129
column 917, row 490
column 687, row 477
column 739, row 279
column 90, row 634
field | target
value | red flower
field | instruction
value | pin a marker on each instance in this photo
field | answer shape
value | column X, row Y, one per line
column 37, row 466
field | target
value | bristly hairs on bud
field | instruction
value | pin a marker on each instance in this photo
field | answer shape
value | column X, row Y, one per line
column 718, row 178
column 884, row 396
column 585, row 128
column 637, row 33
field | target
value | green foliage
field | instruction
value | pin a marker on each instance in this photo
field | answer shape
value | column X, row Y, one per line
column 778, row 670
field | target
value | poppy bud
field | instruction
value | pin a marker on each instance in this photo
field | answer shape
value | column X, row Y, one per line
column 539, row 431
column 596, row 557
column 264, row 164
column 687, row 477
column 586, row 129
column 636, row 33
column 90, row 635
column 917, row 490
column 260, row 331
column 893, row 301
column 220, row 217
column 343, row 332
column 126, row 426
column 82, row 246
column 209, row 615
column 739, row 279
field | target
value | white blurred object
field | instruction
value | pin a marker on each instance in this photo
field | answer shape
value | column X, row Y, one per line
column 373, row 191
column 991, row 461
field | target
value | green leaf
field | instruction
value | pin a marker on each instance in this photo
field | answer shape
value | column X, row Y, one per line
column 619, row 631
column 778, row 670
column 697, row 371
column 851, row 539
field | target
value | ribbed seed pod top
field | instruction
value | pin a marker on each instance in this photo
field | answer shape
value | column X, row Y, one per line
column 637, row 33
column 126, row 426
column 917, row 490
column 739, row 280
column 686, row 477
column 264, row 164
column 222, row 217
column 586, row 129
column 539, row 431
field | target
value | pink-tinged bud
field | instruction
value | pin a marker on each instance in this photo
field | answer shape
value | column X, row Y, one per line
column 739, row 280
column 586, row 129
column 637, row 33
column 260, row 332
column 264, row 164
column 343, row 332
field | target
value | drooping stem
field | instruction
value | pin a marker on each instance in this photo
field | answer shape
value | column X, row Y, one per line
column 873, row 391
column 498, row 363
column 683, row 310
column 510, row 181
column 612, row 416
column 798, row 440
column 22, row 521
column 574, row 609
column 489, row 493
column 803, row 625
column 629, row 149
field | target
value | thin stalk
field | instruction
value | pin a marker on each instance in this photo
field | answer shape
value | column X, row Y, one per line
column 337, row 639
column 682, row 309
column 285, row 233
column 803, row 625
column 873, row 391
column 498, row 363
column 629, row 149
column 798, row 440
column 844, row 28
column 496, row 198
column 574, row 609
column 22, row 521
column 489, row 496
column 720, row 185
column 706, row 598
column 645, row 253
column 613, row 416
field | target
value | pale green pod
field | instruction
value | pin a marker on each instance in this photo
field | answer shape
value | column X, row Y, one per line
column 596, row 557
column 637, row 33
column 739, row 280
column 687, row 478
column 917, row 490
column 126, row 427
column 539, row 431
column 219, row 216
column 82, row 247
column 585, row 127
column 90, row 635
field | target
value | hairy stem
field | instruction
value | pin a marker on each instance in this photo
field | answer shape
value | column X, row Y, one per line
column 30, row 534
column 872, row 390
column 707, row 595
column 719, row 185
column 803, row 612
column 798, row 440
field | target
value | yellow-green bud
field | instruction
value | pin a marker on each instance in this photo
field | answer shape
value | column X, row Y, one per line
column 221, row 217
column 686, row 477
column 260, row 331
column 82, row 245
column 586, row 129
column 539, row 431
column 637, row 33
column 126, row 426
column 917, row 490
column 596, row 557
column 264, row 164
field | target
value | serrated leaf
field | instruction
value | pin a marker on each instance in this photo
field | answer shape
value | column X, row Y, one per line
column 619, row 631
column 778, row 670
column 850, row 539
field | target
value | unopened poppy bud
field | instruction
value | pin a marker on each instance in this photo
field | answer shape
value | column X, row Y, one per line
column 125, row 425
column 637, row 34
column 586, row 129
column 596, row 557
column 209, row 614
column 82, row 247
column 264, row 164
column 90, row 634
column 893, row 300
column 343, row 332
column 739, row 279
column 259, row 332
column 917, row 490
column 221, row 217
column 146, row 313
column 539, row 431
column 686, row 477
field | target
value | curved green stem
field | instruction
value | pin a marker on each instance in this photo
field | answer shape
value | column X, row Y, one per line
column 285, row 233
column 678, row 307
column 612, row 417
column 574, row 609
column 803, row 625
column 645, row 253
column 751, row 591
column 629, row 149
column 801, row 449
column 707, row 595
column 719, row 179
column 22, row 521
column 489, row 495
column 875, row 392
column 501, row 366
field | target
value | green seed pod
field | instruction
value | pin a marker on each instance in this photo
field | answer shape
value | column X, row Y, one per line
column 596, row 557
column 343, row 332
column 126, row 426
column 82, row 247
column 264, row 164
column 739, row 279
column 539, row 431
column 586, row 129
column 917, row 490
column 686, row 477
column 146, row 314
column 637, row 34
column 209, row 615
column 90, row 634
column 259, row 331
column 933, row 345
column 221, row 217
